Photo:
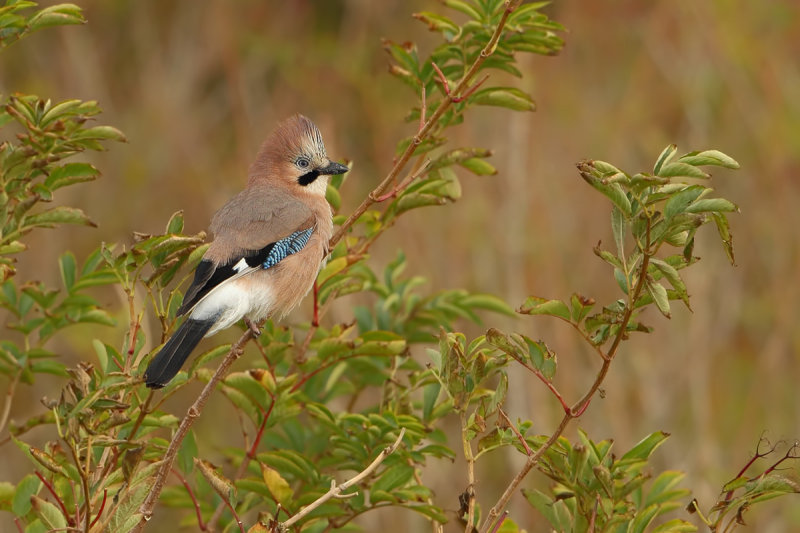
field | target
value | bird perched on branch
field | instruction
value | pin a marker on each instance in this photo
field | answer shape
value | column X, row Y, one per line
column 270, row 241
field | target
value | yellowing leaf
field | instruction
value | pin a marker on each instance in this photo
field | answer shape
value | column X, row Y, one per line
column 278, row 487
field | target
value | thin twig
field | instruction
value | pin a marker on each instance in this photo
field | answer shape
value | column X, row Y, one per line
column 58, row 499
column 146, row 509
column 192, row 497
column 336, row 490
column 100, row 511
column 9, row 398
column 470, row 492
column 516, row 432
column 84, row 484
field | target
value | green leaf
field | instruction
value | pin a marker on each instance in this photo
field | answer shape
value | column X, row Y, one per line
column 187, row 452
column 671, row 274
column 430, row 393
column 14, row 247
column 463, row 7
column 58, row 215
column 126, row 517
column 662, row 488
column 394, row 477
column 488, row 302
column 718, row 205
column 102, row 354
column 57, row 368
column 27, row 487
column 619, row 227
column 681, row 170
column 68, row 266
column 508, row 97
column 710, row 157
column 481, row 167
column 57, row 15
column 675, row 526
column 535, row 305
column 102, row 133
column 554, row 511
column 69, row 174
column 660, row 297
column 175, row 224
column 50, row 515
column 333, row 197
column 591, row 171
column 681, row 200
column 439, row 23
column 581, row 306
column 665, row 157
column 724, row 230
column 643, row 449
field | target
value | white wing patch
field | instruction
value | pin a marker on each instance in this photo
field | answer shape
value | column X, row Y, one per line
column 241, row 265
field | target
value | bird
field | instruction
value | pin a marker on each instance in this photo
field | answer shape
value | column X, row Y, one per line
column 270, row 242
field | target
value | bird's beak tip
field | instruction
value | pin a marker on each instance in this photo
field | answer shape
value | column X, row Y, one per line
column 333, row 168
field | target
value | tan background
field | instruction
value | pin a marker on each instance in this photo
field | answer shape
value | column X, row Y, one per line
column 197, row 85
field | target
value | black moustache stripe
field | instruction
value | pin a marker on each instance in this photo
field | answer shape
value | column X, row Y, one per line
column 308, row 178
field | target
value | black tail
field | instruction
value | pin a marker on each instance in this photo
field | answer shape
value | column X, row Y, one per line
column 169, row 360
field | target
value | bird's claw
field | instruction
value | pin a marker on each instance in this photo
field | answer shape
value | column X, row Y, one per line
column 253, row 327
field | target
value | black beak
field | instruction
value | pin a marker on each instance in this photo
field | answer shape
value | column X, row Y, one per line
column 332, row 169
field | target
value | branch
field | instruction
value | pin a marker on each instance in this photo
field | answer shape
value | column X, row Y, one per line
column 469, row 494
column 425, row 130
column 577, row 409
column 146, row 509
column 336, row 490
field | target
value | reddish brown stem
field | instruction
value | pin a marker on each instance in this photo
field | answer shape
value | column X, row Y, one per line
column 260, row 433
column 134, row 331
column 235, row 516
column 192, row 497
column 57, row 498
column 790, row 454
column 315, row 318
column 521, row 439
column 100, row 512
column 756, row 456
column 319, row 369
column 446, row 86
column 536, row 372
column 496, row 528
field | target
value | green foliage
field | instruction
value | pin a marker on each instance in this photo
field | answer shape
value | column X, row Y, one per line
column 371, row 397
column 592, row 485
column 16, row 20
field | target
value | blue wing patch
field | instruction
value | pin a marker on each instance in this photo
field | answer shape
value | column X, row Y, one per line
column 286, row 247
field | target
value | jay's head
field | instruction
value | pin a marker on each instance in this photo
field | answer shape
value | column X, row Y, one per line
column 294, row 156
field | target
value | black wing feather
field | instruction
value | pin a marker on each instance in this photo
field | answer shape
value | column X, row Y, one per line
column 207, row 276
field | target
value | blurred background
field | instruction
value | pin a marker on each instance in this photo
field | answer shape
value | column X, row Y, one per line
column 197, row 86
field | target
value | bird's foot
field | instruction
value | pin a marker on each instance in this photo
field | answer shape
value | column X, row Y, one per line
column 252, row 326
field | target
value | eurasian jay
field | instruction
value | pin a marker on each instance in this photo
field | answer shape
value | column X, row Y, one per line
column 270, row 241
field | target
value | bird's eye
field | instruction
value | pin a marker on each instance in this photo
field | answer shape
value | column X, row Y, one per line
column 302, row 162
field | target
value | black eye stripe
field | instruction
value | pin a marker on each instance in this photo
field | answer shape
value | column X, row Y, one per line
column 308, row 178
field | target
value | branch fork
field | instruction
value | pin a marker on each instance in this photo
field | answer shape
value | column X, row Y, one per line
column 336, row 490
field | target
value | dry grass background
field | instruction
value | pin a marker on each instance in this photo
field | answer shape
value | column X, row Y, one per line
column 197, row 85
